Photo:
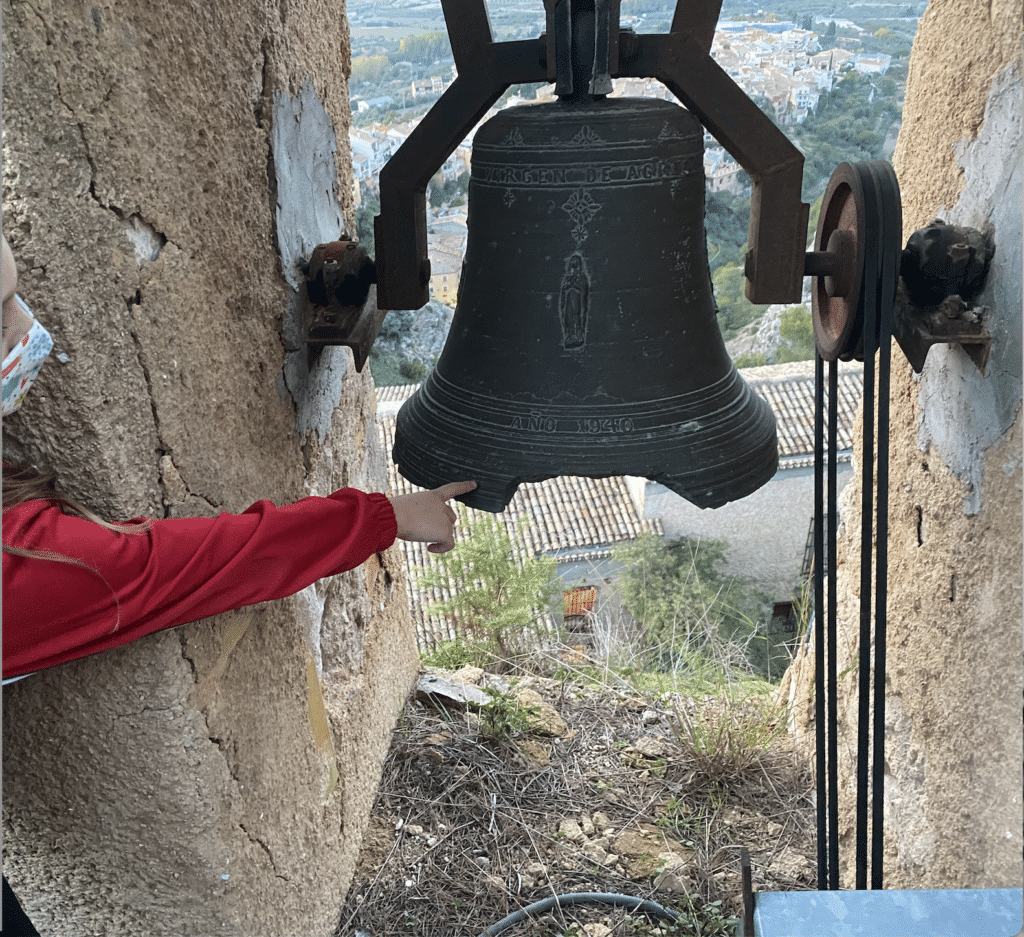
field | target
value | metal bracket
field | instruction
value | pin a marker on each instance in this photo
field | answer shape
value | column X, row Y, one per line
column 340, row 299
column 486, row 68
column 778, row 219
column 942, row 267
column 950, row 322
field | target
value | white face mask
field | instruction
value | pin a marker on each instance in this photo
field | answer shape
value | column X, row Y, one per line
column 23, row 362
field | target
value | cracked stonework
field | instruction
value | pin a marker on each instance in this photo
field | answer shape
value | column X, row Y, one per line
column 146, row 375
column 175, row 488
column 270, row 856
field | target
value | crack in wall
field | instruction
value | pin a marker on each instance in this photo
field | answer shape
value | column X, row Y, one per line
column 136, row 300
column 146, row 239
column 270, row 856
column 263, row 115
column 175, row 489
column 134, row 219
column 188, row 660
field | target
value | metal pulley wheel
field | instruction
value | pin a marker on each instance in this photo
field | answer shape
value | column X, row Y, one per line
column 856, row 260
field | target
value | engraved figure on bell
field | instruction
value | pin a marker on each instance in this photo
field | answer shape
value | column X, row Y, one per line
column 574, row 302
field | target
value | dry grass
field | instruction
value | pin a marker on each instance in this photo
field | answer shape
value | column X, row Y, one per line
column 465, row 830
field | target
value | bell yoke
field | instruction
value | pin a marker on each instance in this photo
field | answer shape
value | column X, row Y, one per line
column 584, row 340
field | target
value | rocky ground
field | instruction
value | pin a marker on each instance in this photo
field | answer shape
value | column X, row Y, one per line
column 484, row 810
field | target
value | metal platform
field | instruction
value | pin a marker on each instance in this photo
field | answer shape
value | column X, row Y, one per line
column 987, row 912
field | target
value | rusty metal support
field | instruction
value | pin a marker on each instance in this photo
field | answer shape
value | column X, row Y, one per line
column 681, row 60
column 778, row 219
column 942, row 269
column 340, row 299
column 486, row 70
column 697, row 18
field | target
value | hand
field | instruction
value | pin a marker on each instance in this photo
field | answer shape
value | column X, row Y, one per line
column 425, row 516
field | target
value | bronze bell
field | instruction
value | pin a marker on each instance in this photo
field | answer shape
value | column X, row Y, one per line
column 584, row 340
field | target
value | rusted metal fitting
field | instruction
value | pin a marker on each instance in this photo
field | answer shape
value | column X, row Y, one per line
column 339, row 273
column 941, row 260
column 942, row 269
column 341, row 298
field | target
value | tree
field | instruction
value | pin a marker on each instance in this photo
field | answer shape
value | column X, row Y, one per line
column 830, row 32
column 751, row 359
column 807, row 22
column 726, row 229
column 692, row 616
column 498, row 596
column 435, row 190
column 425, row 49
column 797, row 333
column 734, row 309
column 370, row 68
column 369, row 208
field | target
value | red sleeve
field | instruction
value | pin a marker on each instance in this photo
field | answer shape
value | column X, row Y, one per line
column 180, row 570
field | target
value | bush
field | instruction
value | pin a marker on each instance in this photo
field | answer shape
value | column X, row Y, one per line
column 498, row 597
column 456, row 654
column 502, row 718
column 396, row 324
column 692, row 616
column 797, row 333
column 751, row 359
column 734, row 309
column 413, row 371
column 726, row 737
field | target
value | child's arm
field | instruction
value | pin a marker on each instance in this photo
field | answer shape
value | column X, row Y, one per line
column 184, row 569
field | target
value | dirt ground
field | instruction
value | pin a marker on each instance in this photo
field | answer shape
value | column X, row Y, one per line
column 604, row 794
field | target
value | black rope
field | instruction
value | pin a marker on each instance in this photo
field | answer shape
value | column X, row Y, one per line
column 833, row 615
column 880, row 204
column 869, row 288
column 826, row 435
column 819, row 620
column 889, row 197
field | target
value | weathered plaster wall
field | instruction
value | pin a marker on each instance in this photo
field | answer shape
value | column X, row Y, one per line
column 953, row 744
column 164, row 166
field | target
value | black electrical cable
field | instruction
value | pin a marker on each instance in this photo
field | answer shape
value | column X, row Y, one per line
column 577, row 898
column 869, row 302
column 832, row 721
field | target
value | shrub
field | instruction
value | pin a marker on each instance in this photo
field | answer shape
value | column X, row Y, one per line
column 693, row 617
column 498, row 597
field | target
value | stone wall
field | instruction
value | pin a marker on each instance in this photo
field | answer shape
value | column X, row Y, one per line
column 953, row 746
column 164, row 167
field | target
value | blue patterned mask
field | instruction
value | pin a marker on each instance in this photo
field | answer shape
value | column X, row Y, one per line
column 23, row 362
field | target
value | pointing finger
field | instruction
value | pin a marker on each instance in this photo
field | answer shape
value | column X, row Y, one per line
column 454, row 489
